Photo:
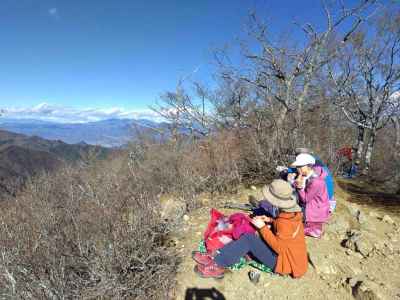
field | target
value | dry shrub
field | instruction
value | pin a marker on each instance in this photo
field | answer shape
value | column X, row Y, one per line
column 217, row 159
column 94, row 231
column 85, row 233
column 187, row 166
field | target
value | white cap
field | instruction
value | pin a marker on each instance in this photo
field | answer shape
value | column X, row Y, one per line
column 303, row 159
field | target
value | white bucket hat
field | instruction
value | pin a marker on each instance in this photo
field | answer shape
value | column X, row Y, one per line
column 303, row 160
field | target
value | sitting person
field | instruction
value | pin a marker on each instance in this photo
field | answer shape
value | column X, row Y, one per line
column 282, row 249
column 290, row 175
column 313, row 194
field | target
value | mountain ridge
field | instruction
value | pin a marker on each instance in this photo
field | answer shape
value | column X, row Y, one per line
column 111, row 132
column 23, row 156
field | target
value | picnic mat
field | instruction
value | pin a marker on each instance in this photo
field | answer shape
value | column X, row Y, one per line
column 242, row 262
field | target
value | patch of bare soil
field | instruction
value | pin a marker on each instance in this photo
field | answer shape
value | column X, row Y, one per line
column 357, row 258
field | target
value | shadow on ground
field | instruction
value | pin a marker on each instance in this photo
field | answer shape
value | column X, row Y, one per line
column 371, row 194
column 203, row 294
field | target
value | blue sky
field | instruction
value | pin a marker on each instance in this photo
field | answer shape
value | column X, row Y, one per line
column 120, row 53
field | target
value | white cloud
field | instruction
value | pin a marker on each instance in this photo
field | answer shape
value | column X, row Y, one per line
column 53, row 12
column 63, row 114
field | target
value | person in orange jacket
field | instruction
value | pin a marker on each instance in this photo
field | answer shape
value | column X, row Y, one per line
column 281, row 247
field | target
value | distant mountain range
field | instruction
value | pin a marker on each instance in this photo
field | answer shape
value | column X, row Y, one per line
column 107, row 133
column 22, row 156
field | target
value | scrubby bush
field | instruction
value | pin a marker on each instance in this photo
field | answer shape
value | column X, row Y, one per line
column 187, row 166
column 85, row 233
column 95, row 230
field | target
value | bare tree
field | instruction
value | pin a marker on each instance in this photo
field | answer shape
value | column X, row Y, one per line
column 396, row 125
column 396, row 121
column 285, row 75
column 365, row 78
column 265, row 100
column 187, row 111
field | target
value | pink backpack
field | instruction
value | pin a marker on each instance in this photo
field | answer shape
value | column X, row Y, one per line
column 221, row 229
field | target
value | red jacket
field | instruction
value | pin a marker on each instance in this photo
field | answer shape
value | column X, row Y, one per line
column 346, row 152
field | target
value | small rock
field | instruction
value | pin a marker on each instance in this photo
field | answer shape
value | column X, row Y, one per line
column 359, row 243
column 362, row 218
column 323, row 265
column 349, row 252
column 324, row 277
column 353, row 236
column 338, row 225
column 369, row 290
column 253, row 188
column 364, row 247
column 379, row 246
column 371, row 277
column 388, row 220
column 389, row 246
column 354, row 281
column 354, row 270
column 267, row 284
column 358, row 255
column 186, row 218
column 354, row 211
column 373, row 214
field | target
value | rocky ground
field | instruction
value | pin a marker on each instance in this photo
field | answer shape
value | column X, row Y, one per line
column 357, row 258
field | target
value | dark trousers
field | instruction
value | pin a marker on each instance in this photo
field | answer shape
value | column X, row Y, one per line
column 247, row 243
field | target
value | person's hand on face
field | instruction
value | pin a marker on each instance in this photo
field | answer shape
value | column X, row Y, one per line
column 291, row 177
column 300, row 181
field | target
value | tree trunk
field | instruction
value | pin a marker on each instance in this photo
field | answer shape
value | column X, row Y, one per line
column 370, row 148
column 396, row 122
column 277, row 135
column 360, row 144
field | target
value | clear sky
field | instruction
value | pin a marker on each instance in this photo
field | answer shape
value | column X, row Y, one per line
column 124, row 53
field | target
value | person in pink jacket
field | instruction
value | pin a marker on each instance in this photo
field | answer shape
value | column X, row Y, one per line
column 313, row 194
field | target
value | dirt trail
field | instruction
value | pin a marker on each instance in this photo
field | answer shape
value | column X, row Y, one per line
column 339, row 272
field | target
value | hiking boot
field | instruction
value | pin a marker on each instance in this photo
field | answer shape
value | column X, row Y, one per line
column 210, row 271
column 202, row 258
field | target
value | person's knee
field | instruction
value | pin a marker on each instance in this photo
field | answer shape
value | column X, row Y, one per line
column 249, row 237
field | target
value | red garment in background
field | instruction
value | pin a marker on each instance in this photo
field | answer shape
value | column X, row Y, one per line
column 346, row 152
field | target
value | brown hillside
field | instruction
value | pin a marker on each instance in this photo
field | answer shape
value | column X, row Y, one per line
column 22, row 157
